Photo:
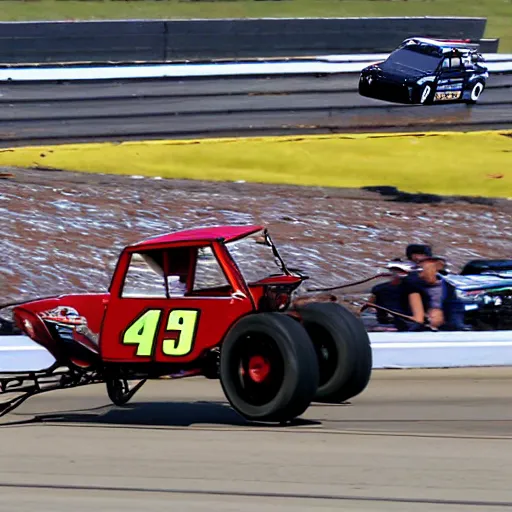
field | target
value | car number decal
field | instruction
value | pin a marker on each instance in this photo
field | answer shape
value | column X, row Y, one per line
column 143, row 332
column 185, row 322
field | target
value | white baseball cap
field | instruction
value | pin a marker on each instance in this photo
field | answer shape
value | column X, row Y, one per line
column 404, row 266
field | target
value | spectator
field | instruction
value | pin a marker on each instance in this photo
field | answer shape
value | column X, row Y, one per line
column 423, row 291
column 418, row 252
column 389, row 295
column 416, row 289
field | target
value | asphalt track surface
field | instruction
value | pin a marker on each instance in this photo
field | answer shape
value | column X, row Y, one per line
column 415, row 440
column 170, row 108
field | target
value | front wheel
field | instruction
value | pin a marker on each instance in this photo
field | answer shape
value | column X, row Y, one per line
column 426, row 94
column 268, row 368
column 118, row 391
column 364, row 87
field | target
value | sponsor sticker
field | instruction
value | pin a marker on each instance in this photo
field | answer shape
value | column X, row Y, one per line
column 448, row 95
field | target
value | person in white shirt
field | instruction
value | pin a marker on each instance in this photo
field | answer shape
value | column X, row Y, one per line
column 177, row 285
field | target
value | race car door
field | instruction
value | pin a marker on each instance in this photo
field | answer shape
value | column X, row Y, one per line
column 451, row 80
column 170, row 315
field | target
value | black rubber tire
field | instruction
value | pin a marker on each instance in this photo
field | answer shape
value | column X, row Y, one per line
column 295, row 370
column 346, row 336
column 118, row 391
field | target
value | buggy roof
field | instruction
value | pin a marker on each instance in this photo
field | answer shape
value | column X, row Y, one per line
column 207, row 234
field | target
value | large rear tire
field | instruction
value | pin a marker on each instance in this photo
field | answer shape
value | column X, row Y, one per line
column 268, row 368
column 343, row 349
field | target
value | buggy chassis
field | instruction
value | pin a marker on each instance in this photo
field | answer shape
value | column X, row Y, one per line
column 37, row 382
column 58, row 377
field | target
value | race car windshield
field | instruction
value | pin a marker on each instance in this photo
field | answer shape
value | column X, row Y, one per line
column 254, row 257
column 415, row 59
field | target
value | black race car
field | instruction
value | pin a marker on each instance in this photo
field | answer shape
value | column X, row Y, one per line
column 480, row 297
column 477, row 299
column 424, row 71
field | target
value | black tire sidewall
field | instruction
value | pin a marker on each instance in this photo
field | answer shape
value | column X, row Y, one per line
column 301, row 373
column 361, row 375
column 117, row 396
column 355, row 354
column 341, row 335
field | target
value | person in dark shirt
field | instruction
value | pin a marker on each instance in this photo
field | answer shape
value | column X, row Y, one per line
column 415, row 290
column 389, row 295
column 423, row 292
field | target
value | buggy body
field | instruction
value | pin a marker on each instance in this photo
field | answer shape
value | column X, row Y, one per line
column 184, row 304
column 426, row 71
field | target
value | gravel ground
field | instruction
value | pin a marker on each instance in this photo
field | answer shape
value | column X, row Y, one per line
column 62, row 231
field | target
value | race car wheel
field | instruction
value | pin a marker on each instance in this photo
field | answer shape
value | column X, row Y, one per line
column 118, row 391
column 427, row 93
column 476, row 90
column 343, row 350
column 268, row 368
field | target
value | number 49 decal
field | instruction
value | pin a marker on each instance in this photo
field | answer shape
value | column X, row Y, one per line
column 143, row 332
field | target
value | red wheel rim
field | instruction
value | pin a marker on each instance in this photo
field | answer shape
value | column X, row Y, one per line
column 259, row 368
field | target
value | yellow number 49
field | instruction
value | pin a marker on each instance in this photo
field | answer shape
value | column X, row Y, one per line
column 144, row 330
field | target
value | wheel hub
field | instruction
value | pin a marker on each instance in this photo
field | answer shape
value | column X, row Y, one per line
column 258, row 368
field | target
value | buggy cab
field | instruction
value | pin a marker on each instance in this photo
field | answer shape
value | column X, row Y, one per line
column 178, row 294
column 215, row 302
column 426, row 71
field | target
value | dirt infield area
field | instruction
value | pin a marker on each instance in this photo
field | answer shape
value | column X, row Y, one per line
column 62, row 231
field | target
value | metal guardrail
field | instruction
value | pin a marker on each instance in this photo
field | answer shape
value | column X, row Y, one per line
column 199, row 39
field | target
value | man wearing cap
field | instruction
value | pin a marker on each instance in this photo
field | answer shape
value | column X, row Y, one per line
column 417, row 252
column 423, row 289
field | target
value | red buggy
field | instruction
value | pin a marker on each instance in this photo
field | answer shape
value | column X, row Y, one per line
column 186, row 304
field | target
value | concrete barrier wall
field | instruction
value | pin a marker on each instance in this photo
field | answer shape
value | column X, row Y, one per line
column 321, row 65
column 166, row 40
column 390, row 350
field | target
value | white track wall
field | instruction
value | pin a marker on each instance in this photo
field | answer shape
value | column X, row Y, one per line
column 328, row 64
column 390, row 350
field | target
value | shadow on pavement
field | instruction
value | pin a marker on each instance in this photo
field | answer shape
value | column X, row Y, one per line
column 153, row 414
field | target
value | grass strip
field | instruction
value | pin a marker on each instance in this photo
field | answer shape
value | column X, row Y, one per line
column 498, row 12
column 445, row 163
